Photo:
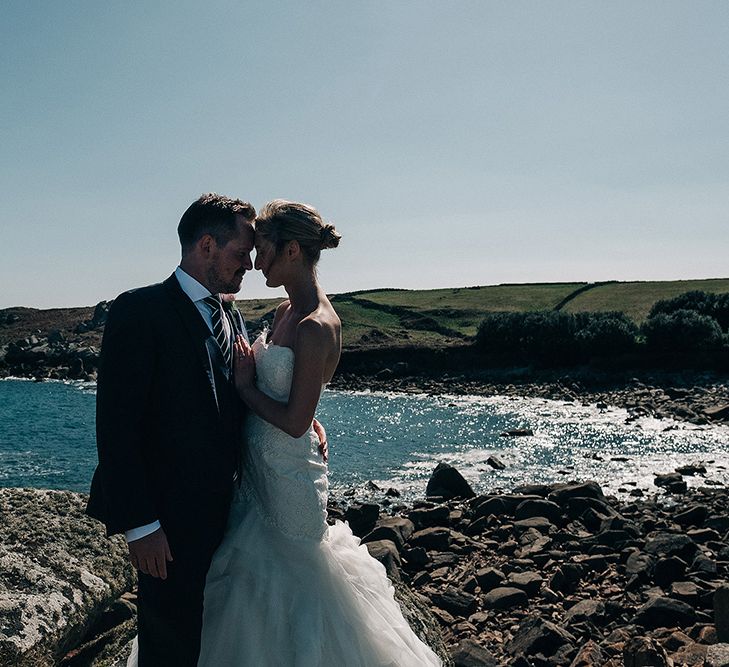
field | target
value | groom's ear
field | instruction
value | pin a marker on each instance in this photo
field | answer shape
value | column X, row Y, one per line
column 205, row 243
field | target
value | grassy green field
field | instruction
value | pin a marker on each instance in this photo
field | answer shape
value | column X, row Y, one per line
column 434, row 318
column 635, row 299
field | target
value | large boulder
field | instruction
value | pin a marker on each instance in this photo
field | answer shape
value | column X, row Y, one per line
column 58, row 573
column 447, row 482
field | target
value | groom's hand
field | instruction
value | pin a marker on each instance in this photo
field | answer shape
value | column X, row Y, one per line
column 150, row 554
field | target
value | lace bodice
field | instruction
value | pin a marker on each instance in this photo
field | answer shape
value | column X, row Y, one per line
column 285, row 477
column 275, row 367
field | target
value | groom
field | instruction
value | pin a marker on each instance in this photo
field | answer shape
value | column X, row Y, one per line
column 168, row 425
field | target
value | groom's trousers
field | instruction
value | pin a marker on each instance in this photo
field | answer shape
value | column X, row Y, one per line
column 170, row 610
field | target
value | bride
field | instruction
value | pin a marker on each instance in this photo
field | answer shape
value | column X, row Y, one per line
column 284, row 588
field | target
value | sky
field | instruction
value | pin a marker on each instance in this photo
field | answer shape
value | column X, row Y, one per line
column 451, row 143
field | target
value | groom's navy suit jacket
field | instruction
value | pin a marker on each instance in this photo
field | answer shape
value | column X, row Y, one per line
column 168, row 420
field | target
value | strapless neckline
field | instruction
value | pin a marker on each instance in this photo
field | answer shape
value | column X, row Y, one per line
column 267, row 345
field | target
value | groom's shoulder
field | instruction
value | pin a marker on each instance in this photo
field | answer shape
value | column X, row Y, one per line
column 139, row 296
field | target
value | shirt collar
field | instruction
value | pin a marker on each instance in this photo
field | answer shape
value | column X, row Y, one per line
column 194, row 290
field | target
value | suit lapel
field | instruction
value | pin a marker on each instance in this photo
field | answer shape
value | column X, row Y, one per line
column 206, row 347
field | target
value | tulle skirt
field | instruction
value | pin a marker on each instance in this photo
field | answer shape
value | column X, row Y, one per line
column 281, row 601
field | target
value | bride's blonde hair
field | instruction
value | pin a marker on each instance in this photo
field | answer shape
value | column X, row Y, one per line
column 281, row 221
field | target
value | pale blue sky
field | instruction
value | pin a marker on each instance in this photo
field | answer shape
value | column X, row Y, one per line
column 452, row 143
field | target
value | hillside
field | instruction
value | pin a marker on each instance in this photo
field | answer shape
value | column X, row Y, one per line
column 392, row 318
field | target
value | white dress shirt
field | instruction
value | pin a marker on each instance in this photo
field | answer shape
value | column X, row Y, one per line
column 196, row 292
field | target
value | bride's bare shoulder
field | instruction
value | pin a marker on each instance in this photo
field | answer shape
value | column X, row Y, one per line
column 322, row 324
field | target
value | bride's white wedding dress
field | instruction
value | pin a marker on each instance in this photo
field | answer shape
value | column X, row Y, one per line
column 284, row 588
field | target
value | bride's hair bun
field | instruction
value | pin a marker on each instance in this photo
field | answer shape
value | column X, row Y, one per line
column 329, row 237
column 281, row 221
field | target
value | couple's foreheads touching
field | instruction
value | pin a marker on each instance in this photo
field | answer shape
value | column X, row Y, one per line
column 217, row 235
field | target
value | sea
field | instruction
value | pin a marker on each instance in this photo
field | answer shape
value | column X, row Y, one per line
column 383, row 440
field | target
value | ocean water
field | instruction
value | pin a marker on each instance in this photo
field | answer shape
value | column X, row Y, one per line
column 47, row 440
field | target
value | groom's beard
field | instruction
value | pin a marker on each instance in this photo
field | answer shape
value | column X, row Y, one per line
column 219, row 285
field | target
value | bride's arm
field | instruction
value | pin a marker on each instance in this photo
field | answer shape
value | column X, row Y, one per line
column 295, row 416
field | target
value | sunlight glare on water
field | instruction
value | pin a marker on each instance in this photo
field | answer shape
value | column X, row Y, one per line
column 47, row 440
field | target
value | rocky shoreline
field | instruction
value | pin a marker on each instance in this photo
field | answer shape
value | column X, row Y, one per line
column 560, row 574
column 698, row 398
column 546, row 575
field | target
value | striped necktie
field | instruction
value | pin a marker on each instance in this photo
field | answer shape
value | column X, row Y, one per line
column 221, row 335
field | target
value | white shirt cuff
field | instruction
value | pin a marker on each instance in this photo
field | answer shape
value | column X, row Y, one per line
column 142, row 531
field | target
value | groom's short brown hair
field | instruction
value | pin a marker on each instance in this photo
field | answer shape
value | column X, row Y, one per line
column 212, row 214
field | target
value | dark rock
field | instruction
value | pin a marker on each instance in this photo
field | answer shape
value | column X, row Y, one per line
column 566, row 578
column 541, row 490
column 362, row 517
column 55, row 337
column 456, row 601
column 516, row 433
column 385, row 533
column 533, row 543
column 477, row 527
column 536, row 508
column 491, row 506
column 395, row 529
column 672, row 482
column 536, row 635
column 529, row 582
column 639, row 564
column 386, row 552
column 704, row 535
column 721, row 612
column 489, row 578
column 467, row 653
column 595, row 563
column 703, row 564
column 427, row 517
column 495, row 463
column 586, row 490
column 538, row 523
column 505, row 597
column 579, row 506
column 447, row 482
column 686, row 591
column 431, row 538
column 669, row 569
column 692, row 516
column 416, row 558
column 586, row 610
column 662, row 612
column 670, row 544
column 718, row 412
column 644, row 652
column 589, row 655
column 691, row 469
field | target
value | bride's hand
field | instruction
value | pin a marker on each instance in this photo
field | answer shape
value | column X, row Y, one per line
column 244, row 364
